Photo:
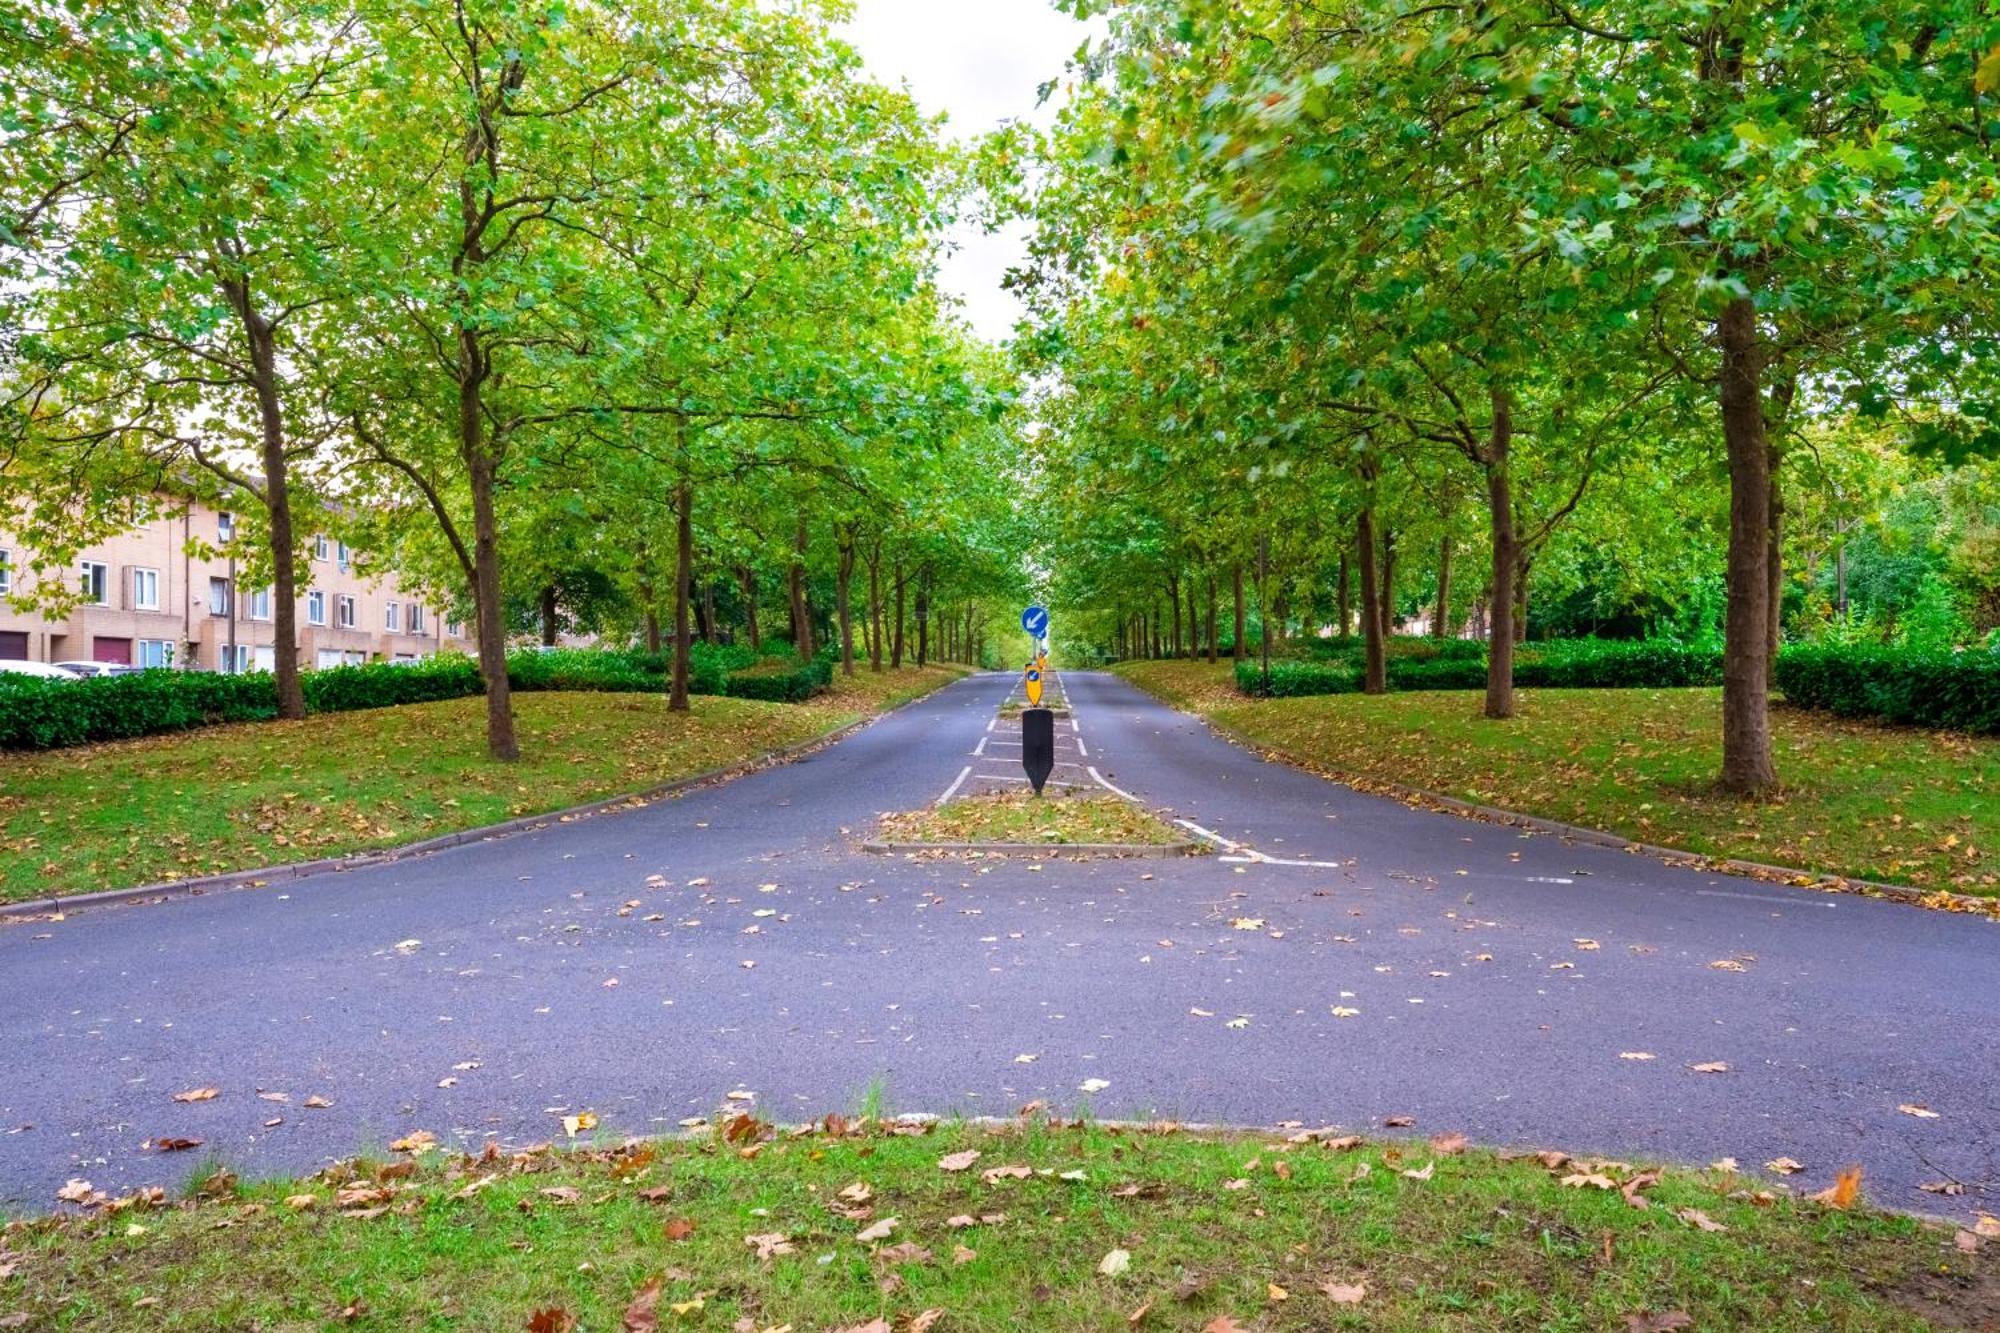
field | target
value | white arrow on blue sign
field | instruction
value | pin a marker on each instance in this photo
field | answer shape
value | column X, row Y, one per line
column 1035, row 620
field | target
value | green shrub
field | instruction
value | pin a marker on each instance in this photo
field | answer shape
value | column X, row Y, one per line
column 37, row 713
column 1957, row 690
column 1291, row 680
column 381, row 684
column 1460, row 664
column 781, row 679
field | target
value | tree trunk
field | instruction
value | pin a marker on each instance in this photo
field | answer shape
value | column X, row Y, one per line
column 875, row 606
column 277, row 497
column 1387, row 603
column 1211, row 618
column 1499, row 601
column 1346, row 596
column 923, row 611
column 746, row 578
column 1174, row 600
column 711, row 633
column 1375, row 674
column 501, row 742
column 1441, row 628
column 1236, row 589
column 549, row 611
column 802, row 630
column 1747, row 765
column 1521, row 598
column 843, row 573
column 896, row 644
column 677, row 701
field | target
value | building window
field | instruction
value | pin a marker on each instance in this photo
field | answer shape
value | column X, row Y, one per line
column 346, row 556
column 218, row 597
column 315, row 608
column 416, row 619
column 225, row 527
column 6, row 572
column 343, row 612
column 451, row 629
column 146, row 589
column 260, row 603
column 238, row 662
column 96, row 583
column 153, row 653
column 320, row 548
column 392, row 618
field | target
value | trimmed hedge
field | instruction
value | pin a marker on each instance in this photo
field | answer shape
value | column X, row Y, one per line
column 1957, row 691
column 1604, row 664
column 37, row 713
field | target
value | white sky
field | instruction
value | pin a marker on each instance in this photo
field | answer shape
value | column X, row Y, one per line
column 979, row 62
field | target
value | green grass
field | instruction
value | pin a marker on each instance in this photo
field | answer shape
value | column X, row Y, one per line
column 1880, row 803
column 234, row 798
column 1242, row 1228
column 1022, row 817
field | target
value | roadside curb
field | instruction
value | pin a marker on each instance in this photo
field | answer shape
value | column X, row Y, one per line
column 296, row 870
column 1129, row 851
column 1940, row 900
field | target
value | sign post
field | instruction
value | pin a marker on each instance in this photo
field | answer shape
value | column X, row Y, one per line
column 1038, row 724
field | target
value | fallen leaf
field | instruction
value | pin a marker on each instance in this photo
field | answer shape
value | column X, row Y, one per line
column 1986, row 1225
column 857, row 1193
column 1448, row 1145
column 876, row 1231
column 75, row 1191
column 198, row 1095
column 421, row 1140
column 298, row 1203
column 1966, row 1241
column 1592, row 1179
column 1728, row 965
column 1658, row 1323
column 1636, row 1055
column 1701, row 1221
column 1342, row 1011
column 1919, row 1111
column 1248, row 923
column 174, row 1145
column 1421, row 1174
column 1138, row 1316
column 1784, row 1166
column 926, row 1321
column 958, row 1161
column 678, row 1228
column 1222, row 1323
column 1950, row 1187
column 317, row 1103
column 993, row 1174
column 555, row 1319
column 1588, row 946
column 770, row 1245
column 1341, row 1293
column 877, row 1325
column 642, row 1315
column 1846, row 1188
column 1398, row 1122
column 1093, row 1085
column 1114, row 1263
column 1275, row 1293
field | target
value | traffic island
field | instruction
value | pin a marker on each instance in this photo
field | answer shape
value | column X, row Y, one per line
column 908, row 1224
column 1021, row 823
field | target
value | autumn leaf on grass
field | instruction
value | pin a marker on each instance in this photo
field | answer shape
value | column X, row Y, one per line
column 1421, row 1173
column 642, row 1315
column 678, row 1228
column 198, row 1095
column 555, row 1319
column 992, row 1175
column 1342, row 1293
column 1844, row 1190
column 1987, row 1225
column 1114, row 1263
column 1784, row 1166
column 872, row 1326
column 1448, row 1145
column 959, row 1161
column 876, row 1231
column 926, row 1321
column 576, row 1124
column 1223, row 1323
column 859, row 1192
column 420, row 1140
column 1665, row 1322
column 1701, row 1221
column 770, row 1245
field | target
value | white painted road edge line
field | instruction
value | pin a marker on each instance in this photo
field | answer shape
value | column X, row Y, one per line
column 1110, row 788
column 1210, row 834
column 1765, row 898
column 1079, row 748
column 980, row 748
column 957, row 782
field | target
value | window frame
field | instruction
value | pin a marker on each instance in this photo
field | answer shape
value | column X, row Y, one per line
column 141, row 573
column 103, row 582
column 346, row 611
column 312, row 618
column 226, row 610
column 392, row 617
column 259, row 598
column 166, row 654
column 6, row 571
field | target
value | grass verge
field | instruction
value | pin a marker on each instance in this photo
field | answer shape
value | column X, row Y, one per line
column 1022, row 817
column 1897, row 805
column 870, row 1228
column 238, row 797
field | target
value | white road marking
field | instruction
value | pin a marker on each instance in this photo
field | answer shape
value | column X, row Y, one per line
column 1110, row 788
column 1210, row 834
column 1548, row 879
column 980, row 748
column 991, row 721
column 1257, row 858
column 1079, row 748
column 1765, row 898
column 950, row 791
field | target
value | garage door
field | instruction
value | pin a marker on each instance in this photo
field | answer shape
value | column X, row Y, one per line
column 13, row 643
column 111, row 650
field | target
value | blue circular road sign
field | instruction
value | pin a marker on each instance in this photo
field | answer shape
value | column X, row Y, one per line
column 1035, row 620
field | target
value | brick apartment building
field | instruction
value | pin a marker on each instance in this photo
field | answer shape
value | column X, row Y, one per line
column 148, row 602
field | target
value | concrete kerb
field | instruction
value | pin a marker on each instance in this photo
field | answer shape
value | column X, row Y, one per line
column 1789, row 877
column 1133, row 851
column 295, row 870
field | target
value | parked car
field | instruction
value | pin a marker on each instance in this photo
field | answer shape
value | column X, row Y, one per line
column 88, row 669
column 18, row 667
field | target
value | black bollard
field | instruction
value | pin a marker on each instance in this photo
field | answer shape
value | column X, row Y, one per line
column 1038, row 745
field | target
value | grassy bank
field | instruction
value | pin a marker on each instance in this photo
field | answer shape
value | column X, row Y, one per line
column 237, row 797
column 1024, row 1227
column 1021, row 817
column 1880, row 803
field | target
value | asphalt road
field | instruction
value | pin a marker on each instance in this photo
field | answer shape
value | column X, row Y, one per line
column 1500, row 984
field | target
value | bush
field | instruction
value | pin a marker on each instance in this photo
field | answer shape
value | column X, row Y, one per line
column 1460, row 664
column 781, row 680
column 1958, row 690
column 381, row 684
column 37, row 713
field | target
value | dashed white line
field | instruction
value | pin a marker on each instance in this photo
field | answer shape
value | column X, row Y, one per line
column 1079, row 748
column 980, row 748
column 957, row 782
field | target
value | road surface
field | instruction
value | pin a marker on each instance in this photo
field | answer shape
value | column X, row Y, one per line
column 1343, row 960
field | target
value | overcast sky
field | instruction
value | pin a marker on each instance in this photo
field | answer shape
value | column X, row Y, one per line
column 979, row 62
